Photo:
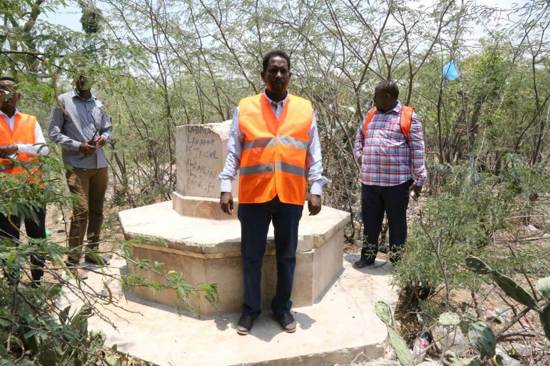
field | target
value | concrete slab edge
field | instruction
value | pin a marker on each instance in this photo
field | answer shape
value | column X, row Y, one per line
column 330, row 358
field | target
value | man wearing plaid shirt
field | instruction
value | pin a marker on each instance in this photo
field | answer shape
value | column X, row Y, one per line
column 392, row 165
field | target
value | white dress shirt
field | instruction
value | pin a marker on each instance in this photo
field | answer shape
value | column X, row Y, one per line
column 39, row 147
column 314, row 164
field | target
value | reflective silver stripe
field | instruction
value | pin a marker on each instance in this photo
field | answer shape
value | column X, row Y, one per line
column 268, row 168
column 289, row 168
column 285, row 140
column 257, row 143
column 289, row 140
column 256, row 169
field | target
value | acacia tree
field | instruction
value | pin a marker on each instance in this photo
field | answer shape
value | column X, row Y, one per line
column 200, row 57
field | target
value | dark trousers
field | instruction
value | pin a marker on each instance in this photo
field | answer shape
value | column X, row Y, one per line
column 10, row 229
column 255, row 220
column 393, row 200
column 90, row 186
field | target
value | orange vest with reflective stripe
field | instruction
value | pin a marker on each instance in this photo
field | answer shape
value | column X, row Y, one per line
column 23, row 133
column 405, row 120
column 273, row 159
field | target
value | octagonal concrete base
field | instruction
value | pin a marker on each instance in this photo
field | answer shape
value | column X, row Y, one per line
column 208, row 251
column 340, row 328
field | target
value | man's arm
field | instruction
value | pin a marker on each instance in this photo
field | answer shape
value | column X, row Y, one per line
column 56, row 126
column 314, row 163
column 232, row 163
column 416, row 146
column 358, row 145
column 107, row 126
column 233, row 158
column 314, row 166
column 39, row 147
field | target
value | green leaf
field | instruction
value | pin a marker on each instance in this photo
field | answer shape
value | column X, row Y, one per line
column 64, row 315
column 48, row 357
column 449, row 319
column 477, row 265
column 543, row 285
column 516, row 292
column 482, row 338
column 383, row 311
column 210, row 292
column 399, row 345
column 79, row 322
column 12, row 258
column 113, row 360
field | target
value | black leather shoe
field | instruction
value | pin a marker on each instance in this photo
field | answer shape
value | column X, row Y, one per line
column 97, row 260
column 245, row 324
column 367, row 258
column 287, row 322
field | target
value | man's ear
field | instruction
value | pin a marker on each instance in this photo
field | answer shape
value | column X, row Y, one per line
column 289, row 74
column 262, row 74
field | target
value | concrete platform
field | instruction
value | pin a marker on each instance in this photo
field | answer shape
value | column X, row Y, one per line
column 335, row 330
column 208, row 251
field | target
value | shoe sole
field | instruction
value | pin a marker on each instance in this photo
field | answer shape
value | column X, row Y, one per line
column 242, row 332
column 288, row 330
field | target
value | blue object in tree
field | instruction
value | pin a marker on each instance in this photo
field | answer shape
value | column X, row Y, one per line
column 450, row 71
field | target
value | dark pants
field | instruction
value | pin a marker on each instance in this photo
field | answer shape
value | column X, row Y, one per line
column 393, row 200
column 10, row 229
column 255, row 219
column 90, row 186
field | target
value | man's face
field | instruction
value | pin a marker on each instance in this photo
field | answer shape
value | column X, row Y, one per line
column 383, row 100
column 277, row 75
column 8, row 94
column 84, row 83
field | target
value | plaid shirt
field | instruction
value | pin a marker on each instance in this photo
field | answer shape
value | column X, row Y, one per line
column 387, row 158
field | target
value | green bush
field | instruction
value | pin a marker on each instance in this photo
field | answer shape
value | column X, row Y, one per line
column 465, row 219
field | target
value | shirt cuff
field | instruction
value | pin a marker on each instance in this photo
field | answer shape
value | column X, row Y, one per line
column 39, row 149
column 75, row 145
column 225, row 185
column 316, row 188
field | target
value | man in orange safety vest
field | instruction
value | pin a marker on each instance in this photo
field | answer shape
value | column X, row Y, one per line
column 274, row 144
column 21, row 140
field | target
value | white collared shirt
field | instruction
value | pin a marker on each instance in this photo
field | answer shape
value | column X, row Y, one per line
column 39, row 147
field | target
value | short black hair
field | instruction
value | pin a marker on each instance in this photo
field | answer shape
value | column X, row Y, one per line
column 274, row 53
column 390, row 87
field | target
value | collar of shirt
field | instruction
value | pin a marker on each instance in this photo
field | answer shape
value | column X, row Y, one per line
column 9, row 119
column 274, row 103
column 396, row 109
column 75, row 95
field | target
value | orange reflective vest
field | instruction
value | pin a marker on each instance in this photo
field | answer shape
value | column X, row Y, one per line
column 273, row 159
column 23, row 133
column 405, row 120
